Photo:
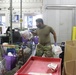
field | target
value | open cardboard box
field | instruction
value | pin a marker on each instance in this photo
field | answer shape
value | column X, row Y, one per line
column 70, row 51
column 70, row 67
column 9, row 45
column 69, row 56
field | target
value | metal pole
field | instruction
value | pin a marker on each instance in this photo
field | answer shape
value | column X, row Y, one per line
column 20, row 14
column 10, row 36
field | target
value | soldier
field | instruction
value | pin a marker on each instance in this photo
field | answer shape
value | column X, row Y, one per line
column 43, row 31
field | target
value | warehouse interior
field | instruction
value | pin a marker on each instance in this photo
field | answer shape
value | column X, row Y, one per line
column 22, row 15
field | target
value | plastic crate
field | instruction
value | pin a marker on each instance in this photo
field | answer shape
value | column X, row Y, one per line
column 39, row 65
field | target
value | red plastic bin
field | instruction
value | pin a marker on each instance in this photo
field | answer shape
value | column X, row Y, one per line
column 39, row 65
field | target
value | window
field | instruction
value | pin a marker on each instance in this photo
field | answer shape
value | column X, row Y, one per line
column 2, row 19
column 15, row 18
column 30, row 21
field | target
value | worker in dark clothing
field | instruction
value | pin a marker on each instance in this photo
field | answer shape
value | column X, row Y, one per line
column 15, row 36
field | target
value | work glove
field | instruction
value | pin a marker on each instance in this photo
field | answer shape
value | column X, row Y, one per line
column 55, row 44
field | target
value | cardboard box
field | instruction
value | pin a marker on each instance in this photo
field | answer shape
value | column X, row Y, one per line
column 10, row 46
column 70, row 67
column 69, row 57
column 70, row 51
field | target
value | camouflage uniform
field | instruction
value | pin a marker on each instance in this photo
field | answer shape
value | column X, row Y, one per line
column 44, row 46
column 46, row 50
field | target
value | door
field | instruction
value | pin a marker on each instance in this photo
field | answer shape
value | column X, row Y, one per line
column 61, row 21
column 65, row 25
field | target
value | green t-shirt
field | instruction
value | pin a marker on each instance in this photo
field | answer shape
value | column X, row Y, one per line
column 44, row 34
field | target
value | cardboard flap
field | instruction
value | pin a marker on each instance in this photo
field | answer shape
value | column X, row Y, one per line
column 70, row 67
column 72, row 43
column 75, row 68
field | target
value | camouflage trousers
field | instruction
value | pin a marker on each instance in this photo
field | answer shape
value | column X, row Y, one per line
column 46, row 50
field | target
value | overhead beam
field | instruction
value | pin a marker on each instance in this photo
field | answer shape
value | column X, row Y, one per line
column 60, row 7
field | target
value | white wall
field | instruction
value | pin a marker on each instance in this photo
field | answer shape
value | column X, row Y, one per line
column 67, row 1
column 59, row 2
column 60, row 20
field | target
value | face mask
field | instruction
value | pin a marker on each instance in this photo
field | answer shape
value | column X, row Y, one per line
column 38, row 26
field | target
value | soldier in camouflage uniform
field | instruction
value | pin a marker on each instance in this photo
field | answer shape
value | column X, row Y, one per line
column 43, row 31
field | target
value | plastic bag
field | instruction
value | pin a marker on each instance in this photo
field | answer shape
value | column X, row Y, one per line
column 56, row 50
column 26, row 34
column 2, row 67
